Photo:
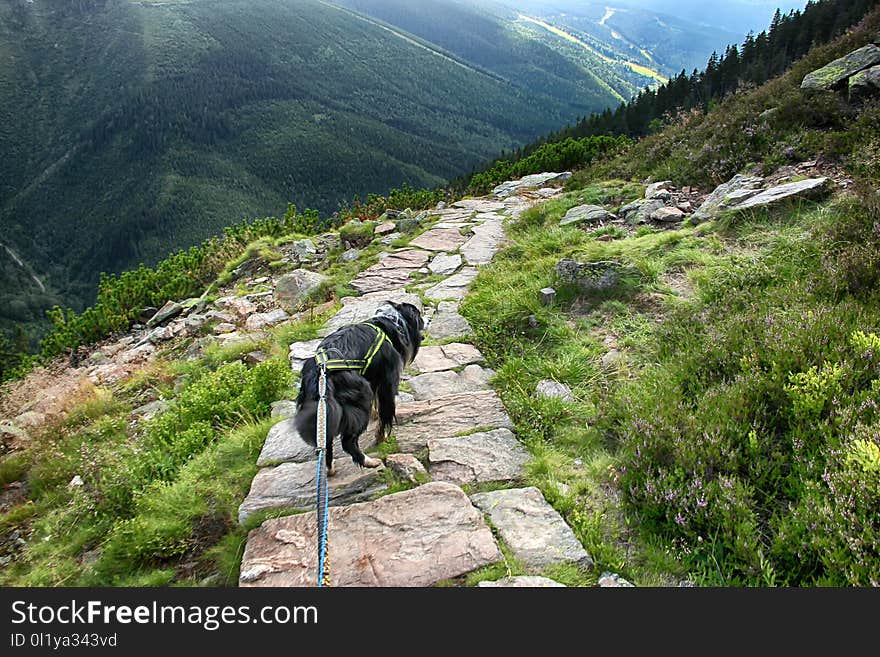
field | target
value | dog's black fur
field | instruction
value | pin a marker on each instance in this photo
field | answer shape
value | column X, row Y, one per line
column 350, row 395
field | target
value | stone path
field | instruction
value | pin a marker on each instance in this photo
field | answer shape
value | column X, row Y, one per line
column 452, row 429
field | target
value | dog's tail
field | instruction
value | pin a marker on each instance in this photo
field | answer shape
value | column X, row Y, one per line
column 348, row 396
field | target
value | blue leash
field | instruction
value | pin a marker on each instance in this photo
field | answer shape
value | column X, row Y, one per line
column 322, row 494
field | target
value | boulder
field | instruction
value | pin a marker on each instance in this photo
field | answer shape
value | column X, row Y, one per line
column 300, row 352
column 659, row 190
column 840, row 70
column 548, row 389
column 667, row 215
column 725, row 196
column 811, row 189
column 534, row 181
column 294, row 289
column 305, row 250
column 865, row 83
column 586, row 214
column 589, row 276
column 169, row 311
column 263, row 320
column 385, row 228
column 640, row 210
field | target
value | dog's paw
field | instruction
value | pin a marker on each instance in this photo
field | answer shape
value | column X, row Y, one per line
column 331, row 471
column 370, row 462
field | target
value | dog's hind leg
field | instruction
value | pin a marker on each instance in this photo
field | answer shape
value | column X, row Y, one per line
column 350, row 445
column 387, row 408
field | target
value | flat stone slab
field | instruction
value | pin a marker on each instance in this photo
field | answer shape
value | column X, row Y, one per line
column 449, row 382
column 361, row 309
column 485, row 243
column 478, row 458
column 813, row 188
column 407, row 467
column 444, row 264
column 588, row 214
column 444, row 417
column 446, row 357
column 521, row 581
column 292, row 486
column 391, row 272
column 479, row 205
column 283, row 444
column 534, row 530
column 415, row 538
column 300, row 352
column 533, row 181
column 454, row 287
column 447, row 323
column 440, row 239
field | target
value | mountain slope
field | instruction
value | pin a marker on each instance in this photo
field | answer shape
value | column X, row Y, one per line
column 147, row 127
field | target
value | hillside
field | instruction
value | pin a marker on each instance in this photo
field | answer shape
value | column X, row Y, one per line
column 695, row 398
column 177, row 119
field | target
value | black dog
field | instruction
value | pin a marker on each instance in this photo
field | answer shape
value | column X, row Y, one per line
column 357, row 378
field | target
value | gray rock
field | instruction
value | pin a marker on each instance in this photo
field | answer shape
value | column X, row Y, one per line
column 76, row 482
column 640, row 210
column 407, row 467
column 865, row 83
column 485, row 243
column 293, row 290
column 814, row 188
column 449, row 382
column 255, row 357
column 292, row 486
column 586, row 214
column 264, row 320
column 169, row 311
column 444, row 264
column 454, row 287
column 659, row 190
column 734, row 191
column 521, row 581
column 284, row 408
column 547, row 296
column 589, row 276
column 479, row 205
column 445, row 417
column 613, row 581
column 511, row 187
column 667, row 215
column 447, row 323
column 283, row 444
column 390, row 273
column 548, row 389
column 151, row 410
column 415, row 538
column 404, row 398
column 837, row 72
column 446, row 357
column 300, row 352
column 221, row 329
column 534, row 530
column 361, row 309
column 477, row 458
column 350, row 255
column 305, row 250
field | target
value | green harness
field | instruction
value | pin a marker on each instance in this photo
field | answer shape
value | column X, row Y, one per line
column 359, row 364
